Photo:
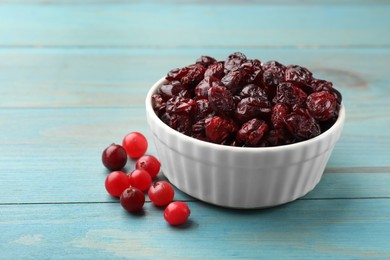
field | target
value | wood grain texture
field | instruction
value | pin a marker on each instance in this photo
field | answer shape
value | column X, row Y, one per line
column 153, row 24
column 342, row 229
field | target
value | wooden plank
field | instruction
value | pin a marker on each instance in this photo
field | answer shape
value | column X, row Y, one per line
column 121, row 77
column 196, row 24
column 340, row 229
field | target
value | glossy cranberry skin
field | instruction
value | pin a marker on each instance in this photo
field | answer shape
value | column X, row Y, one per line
column 116, row 182
column 161, row 193
column 135, row 144
column 279, row 113
column 172, row 89
column 201, row 90
column 177, row 213
column 233, row 80
column 114, row 157
column 219, row 129
column 252, row 72
column 140, row 179
column 132, row 199
column 322, row 105
column 150, row 164
column 273, row 74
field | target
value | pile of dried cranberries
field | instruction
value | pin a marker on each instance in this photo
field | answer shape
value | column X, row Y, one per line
column 131, row 188
column 243, row 102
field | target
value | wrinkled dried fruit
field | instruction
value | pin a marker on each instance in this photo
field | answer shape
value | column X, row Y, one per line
column 241, row 102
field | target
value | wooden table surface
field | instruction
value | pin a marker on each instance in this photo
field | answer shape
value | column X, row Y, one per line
column 73, row 78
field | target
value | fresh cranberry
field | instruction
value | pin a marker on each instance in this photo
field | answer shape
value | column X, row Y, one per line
column 135, row 144
column 221, row 100
column 218, row 129
column 322, row 105
column 251, row 132
column 177, row 213
column 150, row 164
column 116, row 182
column 132, row 199
column 140, row 179
column 114, row 157
column 161, row 193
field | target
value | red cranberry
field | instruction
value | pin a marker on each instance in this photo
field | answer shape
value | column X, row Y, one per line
column 234, row 61
column 322, row 105
column 201, row 90
column 289, row 94
column 302, row 125
column 161, row 193
column 297, row 74
column 132, row 199
column 252, row 107
column 221, row 100
column 114, row 157
column 177, row 213
column 251, row 132
column 173, row 88
column 279, row 113
column 140, row 179
column 150, row 164
column 135, row 144
column 206, row 61
column 215, row 70
column 116, row 182
column 232, row 80
column 188, row 76
column 252, row 72
column 218, row 129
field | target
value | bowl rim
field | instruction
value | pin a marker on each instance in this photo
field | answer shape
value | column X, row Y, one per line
column 150, row 112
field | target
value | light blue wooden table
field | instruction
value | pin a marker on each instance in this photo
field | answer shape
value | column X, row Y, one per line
column 73, row 78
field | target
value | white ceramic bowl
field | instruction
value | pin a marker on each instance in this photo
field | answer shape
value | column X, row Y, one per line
column 241, row 177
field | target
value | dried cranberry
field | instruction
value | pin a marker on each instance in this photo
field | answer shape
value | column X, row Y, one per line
column 173, row 88
column 158, row 104
column 218, row 129
column 252, row 107
column 273, row 75
column 232, row 80
column 287, row 93
column 188, row 76
column 251, row 132
column 323, row 85
column 201, row 90
column 279, row 113
column 180, row 105
column 277, row 137
column 234, row 61
column 179, row 122
column 321, row 105
column 275, row 66
column 221, row 100
column 215, row 70
column 252, row 90
column 252, row 72
column 203, row 109
column 302, row 125
column 297, row 74
column 206, row 61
